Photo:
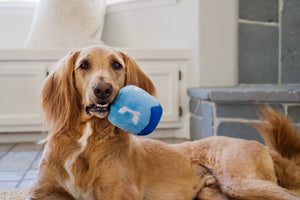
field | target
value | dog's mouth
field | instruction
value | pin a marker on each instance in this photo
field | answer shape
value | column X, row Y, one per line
column 101, row 109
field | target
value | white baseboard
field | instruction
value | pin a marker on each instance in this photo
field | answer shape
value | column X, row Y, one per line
column 21, row 137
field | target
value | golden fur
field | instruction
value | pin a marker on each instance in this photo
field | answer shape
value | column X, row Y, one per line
column 86, row 157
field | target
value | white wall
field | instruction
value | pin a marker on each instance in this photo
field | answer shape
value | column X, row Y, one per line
column 218, row 42
column 14, row 25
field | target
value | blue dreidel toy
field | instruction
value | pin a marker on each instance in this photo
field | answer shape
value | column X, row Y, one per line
column 135, row 111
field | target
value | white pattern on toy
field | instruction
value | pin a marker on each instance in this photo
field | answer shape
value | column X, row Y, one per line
column 135, row 114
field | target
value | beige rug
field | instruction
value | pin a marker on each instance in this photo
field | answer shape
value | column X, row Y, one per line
column 14, row 194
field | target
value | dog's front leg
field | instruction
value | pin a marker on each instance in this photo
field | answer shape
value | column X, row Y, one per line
column 50, row 196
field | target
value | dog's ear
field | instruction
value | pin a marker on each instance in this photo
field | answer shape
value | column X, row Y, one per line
column 59, row 98
column 135, row 76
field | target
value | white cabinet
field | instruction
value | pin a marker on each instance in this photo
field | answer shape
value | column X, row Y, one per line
column 20, row 84
column 22, row 73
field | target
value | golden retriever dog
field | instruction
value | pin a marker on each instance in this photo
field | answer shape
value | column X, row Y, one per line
column 88, row 158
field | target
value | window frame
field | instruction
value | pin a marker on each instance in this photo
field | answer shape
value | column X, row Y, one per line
column 28, row 7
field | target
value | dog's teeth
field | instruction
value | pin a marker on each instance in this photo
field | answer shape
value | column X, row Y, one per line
column 102, row 105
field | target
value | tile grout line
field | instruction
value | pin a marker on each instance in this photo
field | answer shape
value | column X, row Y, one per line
column 280, row 8
column 36, row 157
column 9, row 150
column 246, row 21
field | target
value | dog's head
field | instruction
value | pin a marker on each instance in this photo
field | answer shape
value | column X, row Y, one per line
column 86, row 82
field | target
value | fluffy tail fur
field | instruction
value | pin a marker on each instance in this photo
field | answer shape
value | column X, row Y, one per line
column 284, row 144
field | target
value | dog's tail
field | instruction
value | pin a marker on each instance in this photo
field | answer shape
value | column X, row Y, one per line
column 283, row 142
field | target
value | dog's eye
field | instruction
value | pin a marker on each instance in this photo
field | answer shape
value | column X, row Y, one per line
column 116, row 65
column 84, row 65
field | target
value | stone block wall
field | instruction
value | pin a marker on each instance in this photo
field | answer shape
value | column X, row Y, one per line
column 268, row 60
column 269, row 42
column 232, row 111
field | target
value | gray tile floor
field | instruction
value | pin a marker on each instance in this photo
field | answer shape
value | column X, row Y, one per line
column 19, row 163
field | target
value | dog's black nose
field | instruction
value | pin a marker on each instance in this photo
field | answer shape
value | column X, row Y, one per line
column 102, row 89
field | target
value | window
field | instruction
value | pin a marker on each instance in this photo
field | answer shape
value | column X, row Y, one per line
column 17, row 1
column 108, row 1
column 10, row 6
column 32, row 3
